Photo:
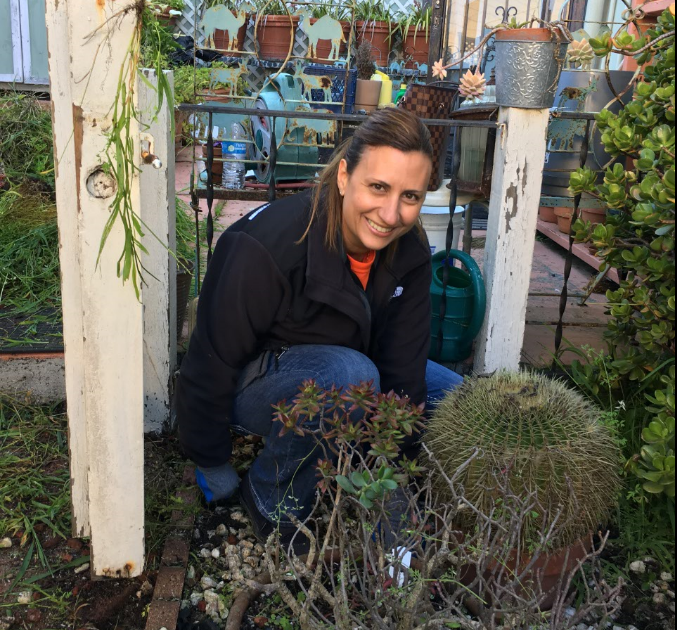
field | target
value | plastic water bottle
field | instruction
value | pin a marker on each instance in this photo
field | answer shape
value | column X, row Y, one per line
column 234, row 149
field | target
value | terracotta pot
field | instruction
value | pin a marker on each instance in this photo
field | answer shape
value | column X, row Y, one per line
column 324, row 45
column 166, row 20
column 548, row 568
column 378, row 35
column 367, row 94
column 222, row 41
column 547, row 214
column 594, row 215
column 526, row 35
column 219, row 95
column 418, row 49
column 217, row 167
column 564, row 216
column 275, row 34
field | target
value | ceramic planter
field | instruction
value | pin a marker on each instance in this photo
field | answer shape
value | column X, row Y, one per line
column 324, row 46
column 275, row 35
column 367, row 94
column 564, row 216
column 378, row 35
column 528, row 65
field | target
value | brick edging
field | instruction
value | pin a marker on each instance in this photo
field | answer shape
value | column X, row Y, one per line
column 166, row 603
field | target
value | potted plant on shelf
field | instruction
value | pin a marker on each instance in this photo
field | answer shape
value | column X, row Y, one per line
column 528, row 62
column 375, row 24
column 189, row 84
column 168, row 12
column 414, row 26
column 533, row 437
column 274, row 30
column 367, row 91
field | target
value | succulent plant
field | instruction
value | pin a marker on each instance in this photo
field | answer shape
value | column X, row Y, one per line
column 472, row 85
column 543, row 436
column 580, row 54
column 363, row 62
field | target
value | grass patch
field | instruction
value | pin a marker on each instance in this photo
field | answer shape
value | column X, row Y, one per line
column 29, row 252
column 26, row 149
column 34, row 475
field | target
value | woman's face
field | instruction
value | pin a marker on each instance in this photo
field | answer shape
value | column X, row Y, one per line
column 382, row 197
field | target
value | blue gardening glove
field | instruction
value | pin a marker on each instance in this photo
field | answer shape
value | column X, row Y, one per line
column 220, row 482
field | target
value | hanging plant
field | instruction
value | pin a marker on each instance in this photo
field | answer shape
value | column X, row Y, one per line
column 119, row 155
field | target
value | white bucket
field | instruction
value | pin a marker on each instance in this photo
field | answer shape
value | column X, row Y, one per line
column 435, row 222
column 435, row 218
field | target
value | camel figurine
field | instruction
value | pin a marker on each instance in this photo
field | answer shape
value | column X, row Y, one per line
column 227, row 76
column 324, row 28
column 312, row 82
column 220, row 17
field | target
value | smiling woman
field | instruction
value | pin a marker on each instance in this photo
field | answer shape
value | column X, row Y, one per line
column 330, row 285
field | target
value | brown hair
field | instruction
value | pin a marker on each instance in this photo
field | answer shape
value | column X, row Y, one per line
column 390, row 127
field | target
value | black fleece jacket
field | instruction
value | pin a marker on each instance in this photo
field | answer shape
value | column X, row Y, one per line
column 263, row 291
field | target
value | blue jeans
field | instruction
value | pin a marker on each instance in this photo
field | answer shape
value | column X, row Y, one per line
column 282, row 478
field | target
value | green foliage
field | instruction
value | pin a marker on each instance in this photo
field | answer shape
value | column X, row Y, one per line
column 543, row 436
column 639, row 241
column 387, row 421
column 26, row 147
column 189, row 82
column 373, row 11
column 417, row 17
column 157, row 39
column 29, row 251
column 185, row 232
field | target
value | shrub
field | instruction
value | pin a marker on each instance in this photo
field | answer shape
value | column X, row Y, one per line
column 639, row 240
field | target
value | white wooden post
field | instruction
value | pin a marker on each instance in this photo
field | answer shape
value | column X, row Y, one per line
column 103, row 320
column 513, row 211
column 159, row 294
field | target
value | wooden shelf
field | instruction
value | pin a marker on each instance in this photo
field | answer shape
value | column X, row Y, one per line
column 580, row 251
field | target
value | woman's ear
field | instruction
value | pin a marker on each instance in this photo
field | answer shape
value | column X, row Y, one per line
column 342, row 177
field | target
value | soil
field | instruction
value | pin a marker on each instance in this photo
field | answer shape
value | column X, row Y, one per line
column 70, row 598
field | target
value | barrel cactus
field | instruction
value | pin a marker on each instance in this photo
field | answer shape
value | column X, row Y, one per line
column 543, row 436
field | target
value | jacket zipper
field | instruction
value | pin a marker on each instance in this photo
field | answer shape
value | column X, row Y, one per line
column 278, row 354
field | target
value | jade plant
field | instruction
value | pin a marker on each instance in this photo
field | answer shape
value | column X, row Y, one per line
column 545, row 438
column 639, row 240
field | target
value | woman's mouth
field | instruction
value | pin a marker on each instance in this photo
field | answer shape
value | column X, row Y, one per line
column 379, row 228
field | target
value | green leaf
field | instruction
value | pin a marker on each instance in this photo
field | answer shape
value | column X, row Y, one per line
column 357, row 479
column 344, row 482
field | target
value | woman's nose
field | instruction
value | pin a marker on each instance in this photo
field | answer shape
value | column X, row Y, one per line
column 389, row 212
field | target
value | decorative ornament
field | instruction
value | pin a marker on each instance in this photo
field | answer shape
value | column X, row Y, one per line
column 439, row 71
column 580, row 54
column 472, row 85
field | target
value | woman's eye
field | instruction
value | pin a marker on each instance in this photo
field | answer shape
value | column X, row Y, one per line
column 411, row 197
column 377, row 187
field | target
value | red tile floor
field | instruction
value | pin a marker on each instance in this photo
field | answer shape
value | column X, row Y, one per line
column 584, row 325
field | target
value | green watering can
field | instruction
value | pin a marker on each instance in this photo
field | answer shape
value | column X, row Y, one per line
column 466, row 304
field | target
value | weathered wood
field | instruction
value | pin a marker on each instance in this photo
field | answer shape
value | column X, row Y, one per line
column 513, row 211
column 105, row 392
column 69, row 255
column 159, row 293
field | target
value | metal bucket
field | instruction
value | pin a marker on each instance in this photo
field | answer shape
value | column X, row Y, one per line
column 527, row 72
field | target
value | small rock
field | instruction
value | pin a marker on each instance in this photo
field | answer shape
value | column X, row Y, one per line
column 5, row 543
column 666, row 577
column 638, row 566
column 238, row 517
column 260, row 622
column 74, row 544
column 195, row 598
column 146, row 588
column 190, row 573
column 24, row 597
column 570, row 612
column 206, row 553
column 202, row 605
column 196, row 534
column 33, row 615
column 659, row 599
column 247, row 544
column 66, row 557
column 221, row 530
column 207, row 582
column 82, row 568
column 215, row 553
column 232, row 540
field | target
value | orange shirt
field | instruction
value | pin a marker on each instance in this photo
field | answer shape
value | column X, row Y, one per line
column 361, row 268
